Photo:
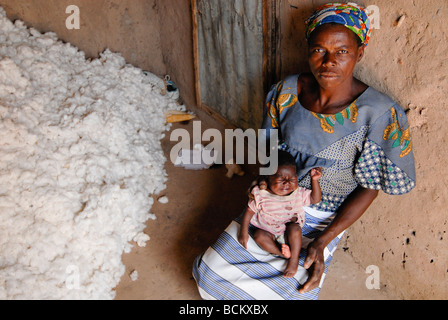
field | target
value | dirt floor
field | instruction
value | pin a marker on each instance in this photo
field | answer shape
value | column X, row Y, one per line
column 201, row 205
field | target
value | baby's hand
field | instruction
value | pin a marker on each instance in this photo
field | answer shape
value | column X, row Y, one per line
column 243, row 238
column 260, row 182
column 316, row 173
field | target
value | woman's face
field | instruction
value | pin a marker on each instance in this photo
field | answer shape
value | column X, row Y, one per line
column 333, row 54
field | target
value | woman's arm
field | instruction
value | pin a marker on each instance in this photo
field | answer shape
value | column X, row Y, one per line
column 350, row 211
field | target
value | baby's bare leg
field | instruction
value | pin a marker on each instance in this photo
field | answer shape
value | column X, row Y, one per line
column 294, row 239
column 266, row 241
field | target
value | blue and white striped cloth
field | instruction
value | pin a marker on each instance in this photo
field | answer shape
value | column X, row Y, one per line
column 228, row 271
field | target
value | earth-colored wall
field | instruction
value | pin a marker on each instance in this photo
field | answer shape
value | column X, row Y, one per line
column 154, row 35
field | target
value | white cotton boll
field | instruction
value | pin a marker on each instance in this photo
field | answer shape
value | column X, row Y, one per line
column 25, row 51
column 45, row 41
column 134, row 275
column 163, row 199
column 11, row 79
column 141, row 239
column 80, row 158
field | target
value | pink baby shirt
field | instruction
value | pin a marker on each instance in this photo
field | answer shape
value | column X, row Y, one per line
column 272, row 211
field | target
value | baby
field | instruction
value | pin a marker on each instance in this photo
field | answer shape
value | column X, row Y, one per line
column 276, row 210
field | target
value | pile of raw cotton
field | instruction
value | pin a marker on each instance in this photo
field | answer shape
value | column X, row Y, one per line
column 80, row 158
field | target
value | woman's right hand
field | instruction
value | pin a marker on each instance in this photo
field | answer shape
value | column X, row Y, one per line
column 315, row 263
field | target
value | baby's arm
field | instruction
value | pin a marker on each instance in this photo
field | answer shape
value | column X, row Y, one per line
column 316, row 193
column 260, row 182
column 243, row 234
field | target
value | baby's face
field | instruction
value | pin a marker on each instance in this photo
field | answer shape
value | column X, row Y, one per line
column 284, row 181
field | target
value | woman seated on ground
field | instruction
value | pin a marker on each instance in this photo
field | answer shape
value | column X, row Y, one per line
column 327, row 118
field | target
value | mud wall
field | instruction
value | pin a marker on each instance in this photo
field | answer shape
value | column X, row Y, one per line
column 405, row 236
column 154, row 35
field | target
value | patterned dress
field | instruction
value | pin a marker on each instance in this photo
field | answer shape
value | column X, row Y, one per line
column 367, row 144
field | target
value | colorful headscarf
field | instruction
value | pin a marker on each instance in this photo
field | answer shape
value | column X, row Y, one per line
column 350, row 15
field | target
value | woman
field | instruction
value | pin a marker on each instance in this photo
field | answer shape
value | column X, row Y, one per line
column 327, row 119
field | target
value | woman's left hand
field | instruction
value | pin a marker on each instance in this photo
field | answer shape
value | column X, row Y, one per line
column 350, row 211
